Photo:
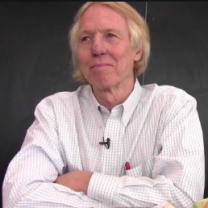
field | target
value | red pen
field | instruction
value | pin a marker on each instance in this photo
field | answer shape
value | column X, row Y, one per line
column 127, row 166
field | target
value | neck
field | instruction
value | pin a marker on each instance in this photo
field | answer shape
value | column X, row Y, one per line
column 110, row 97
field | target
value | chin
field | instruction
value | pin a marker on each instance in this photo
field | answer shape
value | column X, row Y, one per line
column 101, row 84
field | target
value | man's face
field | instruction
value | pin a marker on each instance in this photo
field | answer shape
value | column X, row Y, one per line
column 105, row 55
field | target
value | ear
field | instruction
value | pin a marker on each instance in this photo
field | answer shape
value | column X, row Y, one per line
column 137, row 55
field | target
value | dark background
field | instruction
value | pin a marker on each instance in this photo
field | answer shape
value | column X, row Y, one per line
column 34, row 59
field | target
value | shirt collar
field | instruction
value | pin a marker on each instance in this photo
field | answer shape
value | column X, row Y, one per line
column 129, row 104
column 93, row 100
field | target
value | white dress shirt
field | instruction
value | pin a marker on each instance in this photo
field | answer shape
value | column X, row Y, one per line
column 156, row 130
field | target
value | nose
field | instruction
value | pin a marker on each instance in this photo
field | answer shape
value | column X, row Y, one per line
column 98, row 46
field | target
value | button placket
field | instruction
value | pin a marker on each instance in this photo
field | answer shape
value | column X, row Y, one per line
column 112, row 157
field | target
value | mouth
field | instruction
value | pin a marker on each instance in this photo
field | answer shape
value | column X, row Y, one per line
column 99, row 66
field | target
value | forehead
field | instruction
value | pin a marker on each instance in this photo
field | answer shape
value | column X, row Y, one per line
column 98, row 17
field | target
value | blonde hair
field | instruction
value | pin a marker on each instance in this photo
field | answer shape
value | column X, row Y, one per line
column 139, row 33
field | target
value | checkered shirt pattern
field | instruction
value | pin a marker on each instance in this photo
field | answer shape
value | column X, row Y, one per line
column 157, row 130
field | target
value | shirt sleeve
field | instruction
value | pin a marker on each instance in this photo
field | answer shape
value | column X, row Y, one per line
column 29, row 180
column 178, row 172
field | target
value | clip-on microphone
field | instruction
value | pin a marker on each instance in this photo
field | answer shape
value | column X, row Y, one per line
column 107, row 144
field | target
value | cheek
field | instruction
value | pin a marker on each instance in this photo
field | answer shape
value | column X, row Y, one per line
column 124, row 57
column 125, row 62
column 83, row 56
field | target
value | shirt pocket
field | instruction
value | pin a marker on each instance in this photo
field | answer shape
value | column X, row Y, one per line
column 143, row 169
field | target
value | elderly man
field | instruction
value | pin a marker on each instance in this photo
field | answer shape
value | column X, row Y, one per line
column 112, row 142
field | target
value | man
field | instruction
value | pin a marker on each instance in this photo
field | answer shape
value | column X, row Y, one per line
column 111, row 143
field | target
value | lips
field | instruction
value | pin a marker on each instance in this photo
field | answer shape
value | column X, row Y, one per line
column 100, row 66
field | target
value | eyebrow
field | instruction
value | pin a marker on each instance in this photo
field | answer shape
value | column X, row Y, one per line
column 90, row 32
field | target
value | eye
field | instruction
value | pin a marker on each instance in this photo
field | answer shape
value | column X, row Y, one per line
column 111, row 35
column 85, row 38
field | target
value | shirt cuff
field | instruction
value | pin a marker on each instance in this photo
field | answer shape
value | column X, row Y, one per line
column 102, row 188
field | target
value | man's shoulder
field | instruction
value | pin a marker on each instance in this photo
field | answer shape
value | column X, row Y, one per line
column 66, row 97
column 167, row 91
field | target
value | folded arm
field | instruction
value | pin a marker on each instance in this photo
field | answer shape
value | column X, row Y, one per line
column 29, row 181
column 178, row 167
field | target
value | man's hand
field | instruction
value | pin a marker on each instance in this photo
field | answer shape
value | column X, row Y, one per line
column 76, row 180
